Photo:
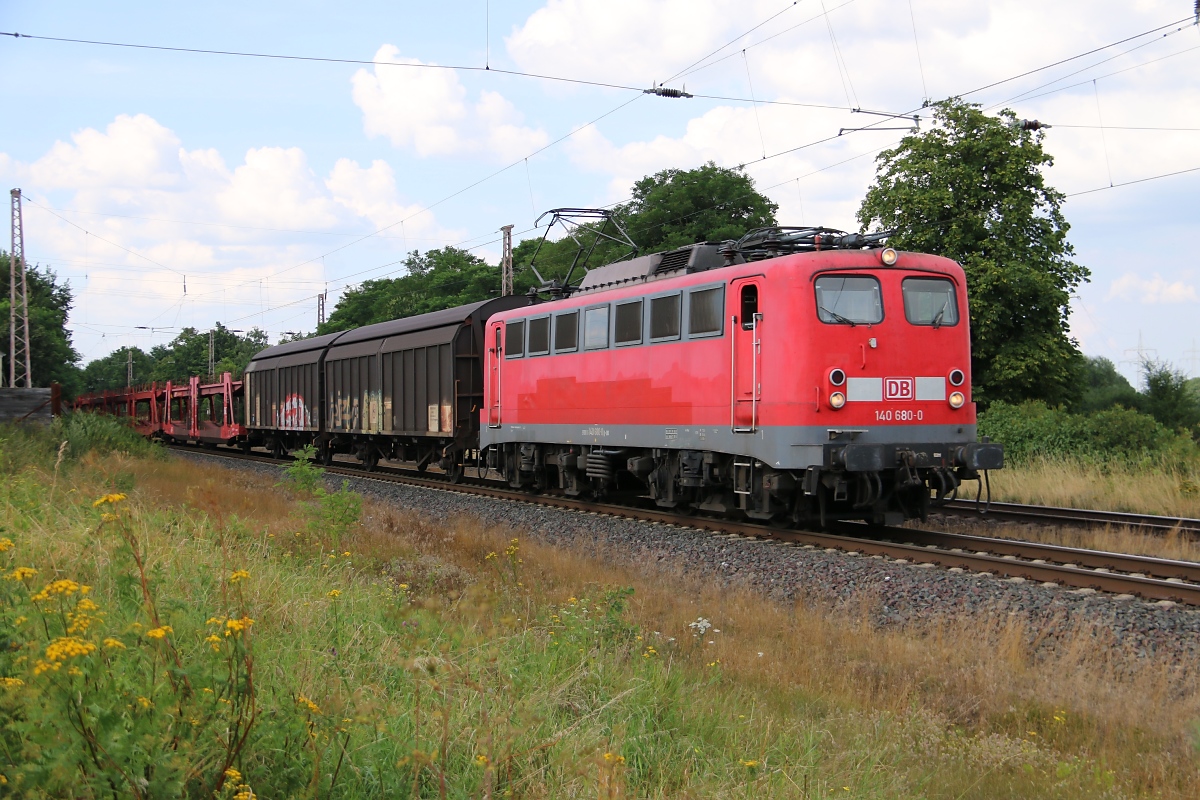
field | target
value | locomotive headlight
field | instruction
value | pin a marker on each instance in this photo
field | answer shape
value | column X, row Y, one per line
column 957, row 399
column 837, row 377
column 837, row 400
column 889, row 256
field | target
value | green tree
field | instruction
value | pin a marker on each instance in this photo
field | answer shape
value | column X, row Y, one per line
column 51, row 352
column 112, row 371
column 972, row 189
column 669, row 209
column 440, row 278
column 187, row 353
column 674, row 208
column 1169, row 400
column 1104, row 387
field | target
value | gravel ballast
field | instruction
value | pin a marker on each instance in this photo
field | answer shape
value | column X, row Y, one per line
column 902, row 592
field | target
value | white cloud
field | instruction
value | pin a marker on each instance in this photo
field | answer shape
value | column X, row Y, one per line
column 623, row 40
column 371, row 192
column 276, row 188
column 1132, row 286
column 427, row 110
column 247, row 235
column 132, row 152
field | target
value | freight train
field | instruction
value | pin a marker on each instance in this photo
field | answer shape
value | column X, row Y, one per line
column 800, row 375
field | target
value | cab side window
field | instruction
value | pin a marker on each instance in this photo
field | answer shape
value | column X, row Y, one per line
column 514, row 339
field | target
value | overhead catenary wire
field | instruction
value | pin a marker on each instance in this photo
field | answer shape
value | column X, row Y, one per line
column 699, row 66
column 917, row 44
column 757, row 119
column 1103, row 137
column 1022, row 95
column 980, row 89
column 1131, row 183
column 843, row 73
column 1027, row 97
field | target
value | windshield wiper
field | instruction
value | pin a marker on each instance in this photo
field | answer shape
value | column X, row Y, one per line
column 937, row 318
column 838, row 317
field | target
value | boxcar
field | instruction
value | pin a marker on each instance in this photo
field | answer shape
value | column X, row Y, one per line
column 284, row 392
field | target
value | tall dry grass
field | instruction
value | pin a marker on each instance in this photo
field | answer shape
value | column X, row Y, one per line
column 1084, row 697
column 1111, row 538
column 1108, row 487
column 951, row 707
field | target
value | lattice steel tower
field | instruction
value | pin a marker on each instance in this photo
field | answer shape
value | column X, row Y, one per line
column 506, row 265
column 19, row 367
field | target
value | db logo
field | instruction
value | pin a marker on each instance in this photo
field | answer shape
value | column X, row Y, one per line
column 898, row 389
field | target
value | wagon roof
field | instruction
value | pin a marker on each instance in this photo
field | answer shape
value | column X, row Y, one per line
column 301, row 346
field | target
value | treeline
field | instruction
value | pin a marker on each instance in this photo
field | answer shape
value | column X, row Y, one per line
column 670, row 209
column 1108, row 421
column 179, row 359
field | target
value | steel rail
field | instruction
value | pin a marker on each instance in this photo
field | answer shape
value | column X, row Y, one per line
column 1017, row 512
column 1006, row 558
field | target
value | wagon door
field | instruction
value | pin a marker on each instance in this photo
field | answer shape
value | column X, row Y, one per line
column 495, row 357
column 746, row 354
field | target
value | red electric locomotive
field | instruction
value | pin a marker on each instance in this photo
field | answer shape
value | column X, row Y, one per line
column 797, row 374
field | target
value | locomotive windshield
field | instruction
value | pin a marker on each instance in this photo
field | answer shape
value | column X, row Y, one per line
column 930, row 301
column 848, row 300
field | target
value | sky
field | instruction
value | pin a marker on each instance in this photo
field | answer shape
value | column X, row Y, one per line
column 181, row 189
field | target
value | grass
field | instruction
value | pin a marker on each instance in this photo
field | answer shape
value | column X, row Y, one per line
column 446, row 659
column 1108, row 487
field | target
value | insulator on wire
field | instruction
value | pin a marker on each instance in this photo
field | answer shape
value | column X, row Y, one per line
column 1029, row 124
column 663, row 91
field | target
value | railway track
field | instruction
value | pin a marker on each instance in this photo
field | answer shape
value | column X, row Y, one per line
column 1014, row 512
column 1150, row 578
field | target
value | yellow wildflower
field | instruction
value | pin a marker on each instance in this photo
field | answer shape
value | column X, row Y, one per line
column 213, row 621
column 113, row 644
column 490, row 556
column 312, row 707
column 65, row 647
column 74, row 672
column 207, row 690
column 21, row 574
column 233, row 626
column 109, row 517
column 158, row 633
column 11, row 683
column 244, row 792
column 64, row 587
column 233, row 775
column 482, row 760
column 346, row 554
column 751, row 764
column 108, row 498
column 239, row 575
column 404, row 586
column 333, row 593
column 144, row 702
column 6, row 544
column 19, row 621
column 613, row 758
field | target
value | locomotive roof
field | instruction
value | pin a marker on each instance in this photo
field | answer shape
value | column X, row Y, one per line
column 703, row 258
